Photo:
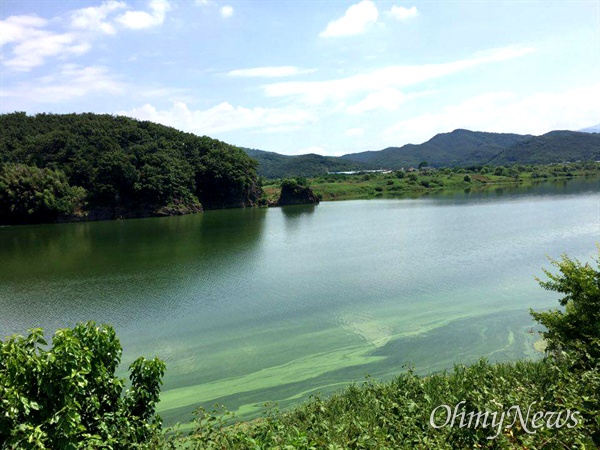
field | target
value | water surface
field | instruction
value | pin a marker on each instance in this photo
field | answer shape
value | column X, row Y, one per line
column 255, row 305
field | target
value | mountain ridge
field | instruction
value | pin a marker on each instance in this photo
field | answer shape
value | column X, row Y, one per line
column 459, row 147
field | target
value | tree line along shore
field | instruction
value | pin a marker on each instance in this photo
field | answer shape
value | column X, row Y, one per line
column 74, row 167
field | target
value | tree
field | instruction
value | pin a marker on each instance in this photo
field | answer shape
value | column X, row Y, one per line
column 29, row 194
column 67, row 397
column 423, row 164
column 575, row 330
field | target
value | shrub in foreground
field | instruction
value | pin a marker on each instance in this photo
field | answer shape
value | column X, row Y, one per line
column 67, row 396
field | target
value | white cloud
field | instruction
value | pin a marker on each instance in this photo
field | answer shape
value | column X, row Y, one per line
column 32, row 46
column 402, row 13
column 20, row 28
column 94, row 17
column 354, row 132
column 33, row 43
column 389, row 99
column 138, row 20
column 220, row 118
column 202, row 2
column 226, row 11
column 355, row 21
column 316, row 92
column 269, row 72
column 505, row 112
column 69, row 82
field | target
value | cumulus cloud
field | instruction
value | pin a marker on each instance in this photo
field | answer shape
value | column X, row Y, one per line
column 94, row 17
column 269, row 72
column 220, row 118
column 355, row 21
column 226, row 11
column 402, row 13
column 32, row 42
column 316, row 92
column 68, row 82
column 505, row 112
column 19, row 28
column 138, row 20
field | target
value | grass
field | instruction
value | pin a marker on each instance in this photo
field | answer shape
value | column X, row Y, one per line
column 397, row 414
column 421, row 182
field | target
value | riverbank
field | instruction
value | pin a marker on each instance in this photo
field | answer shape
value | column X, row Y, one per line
column 400, row 184
column 468, row 407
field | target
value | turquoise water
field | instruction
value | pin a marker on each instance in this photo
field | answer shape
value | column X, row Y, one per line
column 255, row 305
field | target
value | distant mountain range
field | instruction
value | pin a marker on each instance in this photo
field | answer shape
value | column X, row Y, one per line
column 457, row 148
column 593, row 129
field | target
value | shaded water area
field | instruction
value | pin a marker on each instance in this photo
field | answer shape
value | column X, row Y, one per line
column 255, row 305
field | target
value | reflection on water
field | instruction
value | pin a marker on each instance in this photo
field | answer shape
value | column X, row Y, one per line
column 252, row 305
column 119, row 271
column 294, row 211
column 553, row 188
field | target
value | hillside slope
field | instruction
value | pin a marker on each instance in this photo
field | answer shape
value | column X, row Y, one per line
column 275, row 165
column 553, row 147
column 457, row 148
column 121, row 167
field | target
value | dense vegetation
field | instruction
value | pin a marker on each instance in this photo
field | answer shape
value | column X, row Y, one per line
column 426, row 180
column 274, row 165
column 67, row 396
column 295, row 191
column 28, row 193
column 101, row 166
column 553, row 147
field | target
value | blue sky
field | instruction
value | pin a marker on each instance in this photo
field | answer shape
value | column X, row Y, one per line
column 329, row 77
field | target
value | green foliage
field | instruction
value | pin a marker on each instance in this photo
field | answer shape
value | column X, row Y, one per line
column 467, row 179
column 576, row 329
column 370, row 185
column 131, row 168
column 296, row 191
column 553, row 147
column 30, row 195
column 396, row 414
column 67, row 396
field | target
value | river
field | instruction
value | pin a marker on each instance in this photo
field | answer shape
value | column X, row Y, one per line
column 254, row 305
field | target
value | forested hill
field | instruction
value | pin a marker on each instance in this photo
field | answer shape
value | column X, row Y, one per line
column 454, row 149
column 553, row 147
column 466, row 148
column 457, row 148
column 102, row 167
column 275, row 165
